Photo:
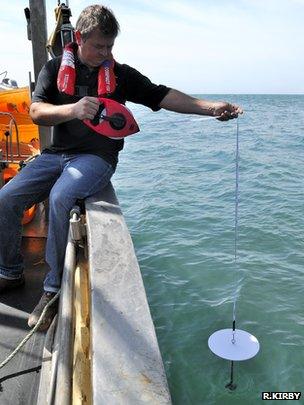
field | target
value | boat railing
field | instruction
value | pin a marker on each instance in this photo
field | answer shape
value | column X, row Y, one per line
column 12, row 124
column 105, row 348
column 11, row 158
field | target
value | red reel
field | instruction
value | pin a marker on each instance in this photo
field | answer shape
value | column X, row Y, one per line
column 113, row 120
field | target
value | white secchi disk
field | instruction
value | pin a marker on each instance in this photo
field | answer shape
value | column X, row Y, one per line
column 244, row 347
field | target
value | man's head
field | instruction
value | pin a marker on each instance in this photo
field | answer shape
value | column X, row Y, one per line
column 97, row 17
column 96, row 31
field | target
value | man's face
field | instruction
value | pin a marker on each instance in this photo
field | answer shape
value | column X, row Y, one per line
column 96, row 49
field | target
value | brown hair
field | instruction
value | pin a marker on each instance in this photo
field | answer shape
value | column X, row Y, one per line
column 100, row 17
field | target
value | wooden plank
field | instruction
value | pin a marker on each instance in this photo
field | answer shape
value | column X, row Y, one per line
column 81, row 369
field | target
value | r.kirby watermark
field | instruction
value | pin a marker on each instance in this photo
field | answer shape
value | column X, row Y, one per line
column 281, row 395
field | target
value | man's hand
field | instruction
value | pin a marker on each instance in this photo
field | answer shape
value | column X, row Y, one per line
column 226, row 111
column 49, row 114
column 86, row 108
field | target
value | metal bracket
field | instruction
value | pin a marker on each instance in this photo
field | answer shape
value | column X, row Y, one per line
column 77, row 226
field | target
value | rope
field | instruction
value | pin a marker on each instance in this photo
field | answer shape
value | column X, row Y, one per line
column 231, row 386
column 236, row 223
column 207, row 118
column 30, row 334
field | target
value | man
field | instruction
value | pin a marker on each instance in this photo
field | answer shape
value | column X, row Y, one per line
column 79, row 161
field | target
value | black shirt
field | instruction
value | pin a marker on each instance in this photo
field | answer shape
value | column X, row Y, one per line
column 74, row 136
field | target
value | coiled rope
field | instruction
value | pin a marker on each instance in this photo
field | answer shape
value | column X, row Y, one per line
column 30, row 334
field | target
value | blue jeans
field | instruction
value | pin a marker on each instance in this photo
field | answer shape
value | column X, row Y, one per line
column 64, row 178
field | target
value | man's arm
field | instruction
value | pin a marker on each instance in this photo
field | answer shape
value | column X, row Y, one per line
column 183, row 103
column 49, row 114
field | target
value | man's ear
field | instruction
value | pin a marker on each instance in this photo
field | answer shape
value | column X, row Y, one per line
column 78, row 37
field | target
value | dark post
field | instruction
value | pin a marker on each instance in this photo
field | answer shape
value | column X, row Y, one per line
column 38, row 28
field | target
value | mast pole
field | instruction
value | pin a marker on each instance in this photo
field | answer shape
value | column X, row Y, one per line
column 38, row 28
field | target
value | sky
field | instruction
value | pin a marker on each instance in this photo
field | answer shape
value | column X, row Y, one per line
column 196, row 46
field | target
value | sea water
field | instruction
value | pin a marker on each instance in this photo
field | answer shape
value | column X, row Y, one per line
column 176, row 182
